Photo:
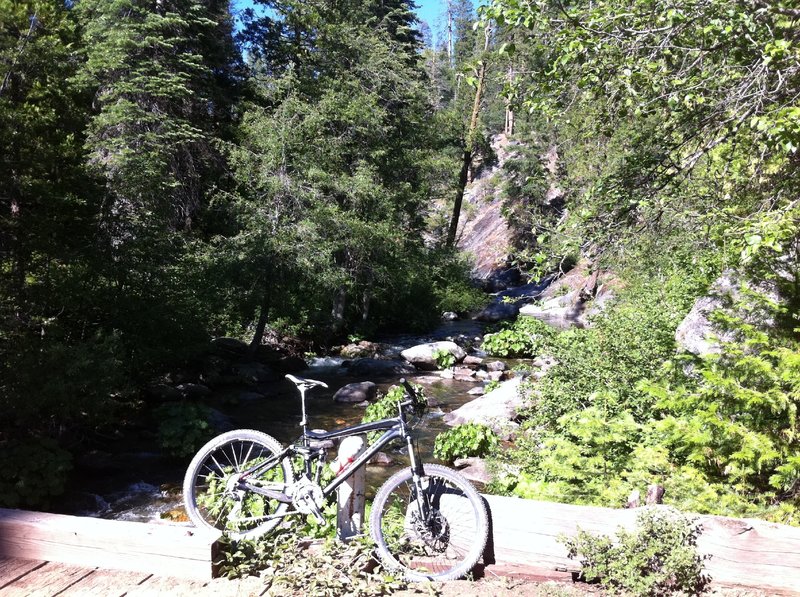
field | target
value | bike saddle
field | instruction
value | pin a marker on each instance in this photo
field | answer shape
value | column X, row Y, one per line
column 306, row 384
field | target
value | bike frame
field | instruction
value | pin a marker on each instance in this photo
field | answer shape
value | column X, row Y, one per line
column 394, row 428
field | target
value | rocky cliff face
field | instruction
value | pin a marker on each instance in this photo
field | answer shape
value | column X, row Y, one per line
column 483, row 231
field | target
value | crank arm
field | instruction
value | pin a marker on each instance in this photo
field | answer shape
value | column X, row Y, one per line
column 269, row 493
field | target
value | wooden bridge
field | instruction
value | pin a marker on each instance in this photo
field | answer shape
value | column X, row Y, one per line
column 49, row 554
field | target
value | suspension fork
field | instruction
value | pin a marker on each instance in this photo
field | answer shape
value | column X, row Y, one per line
column 420, row 481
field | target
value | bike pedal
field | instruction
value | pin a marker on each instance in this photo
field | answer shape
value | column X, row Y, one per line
column 320, row 518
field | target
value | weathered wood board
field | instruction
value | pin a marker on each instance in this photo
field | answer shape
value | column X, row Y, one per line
column 106, row 583
column 50, row 579
column 742, row 552
column 751, row 553
column 13, row 569
column 157, row 549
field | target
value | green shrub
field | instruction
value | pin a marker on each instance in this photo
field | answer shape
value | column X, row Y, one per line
column 386, row 406
column 463, row 441
column 587, row 416
column 289, row 568
column 34, row 471
column 70, row 382
column 601, row 365
column 526, row 337
column 733, row 419
column 659, row 558
column 491, row 386
column 444, row 358
column 183, row 427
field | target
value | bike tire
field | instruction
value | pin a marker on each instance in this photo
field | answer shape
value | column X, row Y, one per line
column 207, row 502
column 450, row 545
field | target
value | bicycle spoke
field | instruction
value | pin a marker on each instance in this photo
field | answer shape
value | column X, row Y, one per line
column 441, row 540
column 215, row 497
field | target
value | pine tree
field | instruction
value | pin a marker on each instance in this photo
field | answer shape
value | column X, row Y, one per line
column 165, row 77
column 148, row 141
column 333, row 149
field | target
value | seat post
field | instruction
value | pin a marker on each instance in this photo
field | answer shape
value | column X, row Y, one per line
column 303, row 421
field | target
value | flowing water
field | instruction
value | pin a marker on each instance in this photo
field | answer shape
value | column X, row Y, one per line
column 143, row 486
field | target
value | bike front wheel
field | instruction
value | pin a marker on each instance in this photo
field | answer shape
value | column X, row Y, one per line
column 218, row 489
column 434, row 529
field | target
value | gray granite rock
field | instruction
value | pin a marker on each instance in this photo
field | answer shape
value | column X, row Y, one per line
column 422, row 355
column 356, row 392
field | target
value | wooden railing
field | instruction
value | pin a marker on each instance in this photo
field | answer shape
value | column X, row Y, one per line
column 524, row 536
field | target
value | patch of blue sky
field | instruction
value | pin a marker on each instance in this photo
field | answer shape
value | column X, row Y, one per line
column 432, row 12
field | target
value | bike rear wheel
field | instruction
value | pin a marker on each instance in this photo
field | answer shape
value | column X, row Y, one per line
column 215, row 495
column 436, row 532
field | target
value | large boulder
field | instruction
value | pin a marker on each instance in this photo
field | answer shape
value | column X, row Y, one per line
column 574, row 298
column 496, row 409
column 356, row 392
column 498, row 311
column 229, row 347
column 254, row 372
column 474, row 469
column 290, row 364
column 359, row 350
column 422, row 356
column 560, row 316
column 378, row 368
column 696, row 333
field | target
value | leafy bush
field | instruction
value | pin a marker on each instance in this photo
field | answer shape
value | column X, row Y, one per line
column 732, row 417
column 386, row 406
column 491, row 386
column 34, row 471
column 183, row 427
column 444, row 358
column 463, row 441
column 658, row 558
column 601, row 365
column 289, row 568
column 526, row 337
column 587, row 417
column 66, row 381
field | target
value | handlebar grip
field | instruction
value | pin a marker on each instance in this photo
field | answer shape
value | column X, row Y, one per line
column 409, row 388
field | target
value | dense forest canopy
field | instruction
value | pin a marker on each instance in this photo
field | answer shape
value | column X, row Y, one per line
column 677, row 125
column 169, row 177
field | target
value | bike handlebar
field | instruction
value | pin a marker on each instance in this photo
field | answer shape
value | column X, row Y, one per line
column 414, row 401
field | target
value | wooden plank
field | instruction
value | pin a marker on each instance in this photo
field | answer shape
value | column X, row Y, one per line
column 12, row 569
column 742, row 552
column 749, row 552
column 527, row 531
column 157, row 549
column 48, row 580
column 165, row 585
column 106, row 583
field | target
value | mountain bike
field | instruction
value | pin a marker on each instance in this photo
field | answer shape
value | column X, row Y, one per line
column 428, row 522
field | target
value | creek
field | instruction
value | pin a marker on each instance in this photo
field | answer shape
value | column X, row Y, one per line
column 138, row 484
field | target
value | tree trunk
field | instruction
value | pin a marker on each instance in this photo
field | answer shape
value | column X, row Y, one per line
column 508, row 129
column 263, row 317
column 469, row 145
column 258, row 335
column 337, row 310
column 450, row 58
